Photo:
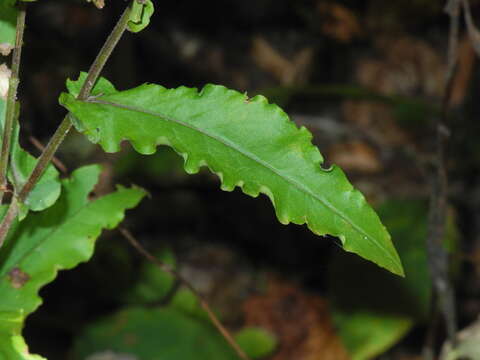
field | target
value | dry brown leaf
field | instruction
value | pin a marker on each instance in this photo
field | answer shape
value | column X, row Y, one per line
column 407, row 67
column 5, row 74
column 414, row 66
column 300, row 321
column 340, row 22
column 301, row 66
column 377, row 120
column 287, row 72
column 5, row 49
column 355, row 156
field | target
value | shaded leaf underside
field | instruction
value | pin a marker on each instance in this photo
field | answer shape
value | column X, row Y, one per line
column 247, row 143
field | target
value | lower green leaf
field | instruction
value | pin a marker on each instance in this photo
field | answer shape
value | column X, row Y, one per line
column 58, row 238
column 162, row 333
column 166, row 333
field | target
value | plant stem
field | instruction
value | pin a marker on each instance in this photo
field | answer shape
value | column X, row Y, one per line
column 11, row 99
column 104, row 54
column 65, row 126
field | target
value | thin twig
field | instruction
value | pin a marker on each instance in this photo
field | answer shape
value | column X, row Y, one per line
column 11, row 98
column 65, row 126
column 166, row 268
column 437, row 255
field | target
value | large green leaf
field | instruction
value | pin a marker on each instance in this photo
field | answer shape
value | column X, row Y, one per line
column 248, row 143
column 55, row 239
column 47, row 190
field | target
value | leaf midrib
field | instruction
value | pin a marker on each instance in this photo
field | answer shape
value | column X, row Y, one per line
column 250, row 156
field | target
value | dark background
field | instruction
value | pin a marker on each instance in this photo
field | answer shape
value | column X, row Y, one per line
column 315, row 59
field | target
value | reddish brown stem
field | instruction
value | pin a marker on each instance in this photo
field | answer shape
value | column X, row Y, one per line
column 164, row 267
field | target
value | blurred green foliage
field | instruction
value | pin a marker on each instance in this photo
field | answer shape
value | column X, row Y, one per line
column 371, row 310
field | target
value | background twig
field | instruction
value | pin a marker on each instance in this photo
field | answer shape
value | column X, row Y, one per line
column 437, row 254
column 164, row 267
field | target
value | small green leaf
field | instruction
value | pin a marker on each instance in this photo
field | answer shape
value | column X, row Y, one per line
column 102, row 86
column 48, row 188
column 187, row 302
column 256, row 342
column 140, row 15
column 46, row 191
column 55, row 239
column 248, row 143
column 153, row 284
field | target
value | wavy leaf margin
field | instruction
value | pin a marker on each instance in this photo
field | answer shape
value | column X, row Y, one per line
column 248, row 143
